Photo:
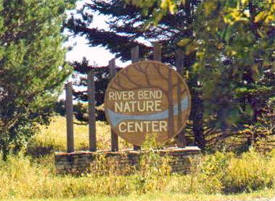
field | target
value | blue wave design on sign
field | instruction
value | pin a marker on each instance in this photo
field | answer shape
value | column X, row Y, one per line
column 116, row 118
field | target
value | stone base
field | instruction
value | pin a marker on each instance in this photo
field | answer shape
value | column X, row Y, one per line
column 81, row 161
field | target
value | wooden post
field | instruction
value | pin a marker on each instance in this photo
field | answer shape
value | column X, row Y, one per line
column 135, row 58
column 179, row 61
column 179, row 66
column 91, row 111
column 157, row 51
column 114, row 137
column 170, row 105
column 135, row 54
column 69, row 118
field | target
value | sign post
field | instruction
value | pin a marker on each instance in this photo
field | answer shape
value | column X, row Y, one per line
column 91, row 109
column 179, row 66
column 69, row 118
column 114, row 137
column 135, row 58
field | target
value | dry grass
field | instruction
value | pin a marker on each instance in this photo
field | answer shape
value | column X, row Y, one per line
column 24, row 177
column 53, row 137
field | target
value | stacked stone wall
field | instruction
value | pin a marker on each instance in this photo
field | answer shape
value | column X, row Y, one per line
column 79, row 162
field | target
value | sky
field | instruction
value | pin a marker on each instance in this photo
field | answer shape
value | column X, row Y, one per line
column 95, row 55
column 80, row 48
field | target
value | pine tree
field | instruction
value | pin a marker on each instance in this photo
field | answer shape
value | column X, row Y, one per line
column 32, row 67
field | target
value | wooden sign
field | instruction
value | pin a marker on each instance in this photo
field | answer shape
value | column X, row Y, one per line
column 145, row 98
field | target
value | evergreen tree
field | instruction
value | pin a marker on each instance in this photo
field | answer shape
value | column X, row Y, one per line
column 32, row 67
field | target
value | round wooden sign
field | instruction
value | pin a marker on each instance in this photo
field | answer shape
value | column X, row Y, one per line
column 147, row 97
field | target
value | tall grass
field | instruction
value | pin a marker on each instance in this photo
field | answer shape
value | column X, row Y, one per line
column 24, row 177
column 34, row 177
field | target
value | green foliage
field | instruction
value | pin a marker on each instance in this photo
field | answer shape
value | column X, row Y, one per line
column 212, row 168
column 261, row 134
column 32, row 68
column 160, row 8
column 238, row 58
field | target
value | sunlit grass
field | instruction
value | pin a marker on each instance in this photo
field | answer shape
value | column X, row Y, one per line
column 54, row 136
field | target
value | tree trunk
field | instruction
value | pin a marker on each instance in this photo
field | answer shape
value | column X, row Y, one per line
column 5, row 152
column 197, row 117
column 197, row 108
